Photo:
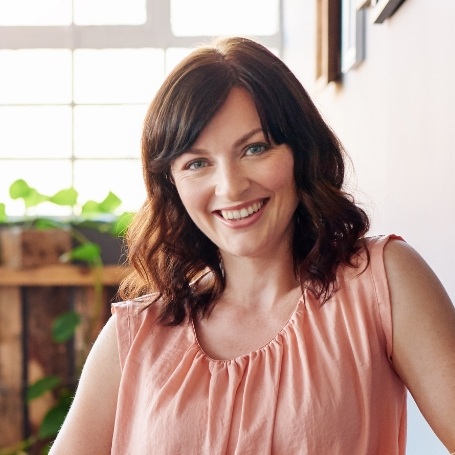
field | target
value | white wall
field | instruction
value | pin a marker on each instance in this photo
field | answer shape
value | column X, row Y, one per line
column 395, row 114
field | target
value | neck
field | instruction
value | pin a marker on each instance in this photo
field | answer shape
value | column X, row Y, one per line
column 257, row 282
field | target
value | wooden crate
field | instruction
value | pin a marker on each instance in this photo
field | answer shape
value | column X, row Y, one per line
column 22, row 248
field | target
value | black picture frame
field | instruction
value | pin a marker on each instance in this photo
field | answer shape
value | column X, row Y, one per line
column 383, row 9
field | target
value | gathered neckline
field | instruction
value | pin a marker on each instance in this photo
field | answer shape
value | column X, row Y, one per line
column 300, row 302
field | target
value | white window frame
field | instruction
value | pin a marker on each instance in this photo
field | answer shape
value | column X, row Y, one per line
column 156, row 32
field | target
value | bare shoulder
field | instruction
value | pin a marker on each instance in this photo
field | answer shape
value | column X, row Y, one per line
column 88, row 427
column 400, row 256
column 423, row 318
column 415, row 289
column 416, row 292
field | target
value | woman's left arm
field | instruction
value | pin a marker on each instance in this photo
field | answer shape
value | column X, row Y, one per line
column 423, row 337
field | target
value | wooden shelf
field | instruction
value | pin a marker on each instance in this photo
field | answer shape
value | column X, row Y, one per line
column 62, row 275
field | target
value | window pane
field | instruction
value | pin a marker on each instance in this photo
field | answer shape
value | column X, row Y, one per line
column 47, row 177
column 35, row 132
column 109, row 12
column 30, row 76
column 174, row 55
column 108, row 131
column 95, row 178
column 117, row 75
column 34, row 12
column 221, row 17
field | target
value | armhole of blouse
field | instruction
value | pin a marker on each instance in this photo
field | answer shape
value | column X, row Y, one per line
column 122, row 311
column 381, row 287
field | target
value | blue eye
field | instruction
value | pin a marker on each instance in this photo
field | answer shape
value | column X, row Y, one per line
column 196, row 164
column 256, row 149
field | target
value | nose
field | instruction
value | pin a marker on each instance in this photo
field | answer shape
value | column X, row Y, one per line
column 232, row 180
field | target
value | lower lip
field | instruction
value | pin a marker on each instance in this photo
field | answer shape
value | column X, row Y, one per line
column 244, row 222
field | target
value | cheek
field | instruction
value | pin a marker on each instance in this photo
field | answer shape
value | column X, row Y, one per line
column 279, row 177
column 185, row 196
column 191, row 198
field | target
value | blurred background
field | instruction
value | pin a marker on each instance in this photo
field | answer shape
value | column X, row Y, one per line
column 76, row 77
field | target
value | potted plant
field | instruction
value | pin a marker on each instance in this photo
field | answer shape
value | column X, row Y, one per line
column 91, row 236
column 24, row 240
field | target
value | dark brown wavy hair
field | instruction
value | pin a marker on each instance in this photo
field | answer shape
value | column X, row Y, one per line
column 166, row 249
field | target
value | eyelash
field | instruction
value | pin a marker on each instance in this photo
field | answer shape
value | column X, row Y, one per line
column 262, row 146
column 190, row 165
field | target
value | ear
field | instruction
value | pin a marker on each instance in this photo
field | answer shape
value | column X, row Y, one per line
column 169, row 178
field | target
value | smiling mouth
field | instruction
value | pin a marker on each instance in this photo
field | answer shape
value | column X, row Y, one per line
column 243, row 213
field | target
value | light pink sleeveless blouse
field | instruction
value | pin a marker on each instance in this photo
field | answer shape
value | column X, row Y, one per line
column 325, row 385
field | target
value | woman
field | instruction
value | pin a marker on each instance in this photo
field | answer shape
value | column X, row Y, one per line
column 259, row 318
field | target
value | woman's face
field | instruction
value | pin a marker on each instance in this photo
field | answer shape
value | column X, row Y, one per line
column 236, row 186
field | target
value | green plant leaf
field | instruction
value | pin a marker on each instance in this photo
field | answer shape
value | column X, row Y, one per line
column 34, row 198
column 52, row 422
column 65, row 397
column 90, row 208
column 3, row 216
column 120, row 225
column 87, row 252
column 64, row 326
column 19, row 189
column 106, row 206
column 41, row 386
column 46, row 449
column 48, row 223
column 67, row 197
column 110, row 203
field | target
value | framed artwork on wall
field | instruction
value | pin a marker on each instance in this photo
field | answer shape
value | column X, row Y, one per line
column 328, row 42
column 363, row 3
column 382, row 9
column 352, row 35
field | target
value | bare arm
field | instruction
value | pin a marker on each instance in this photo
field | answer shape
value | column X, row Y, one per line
column 423, row 337
column 89, row 424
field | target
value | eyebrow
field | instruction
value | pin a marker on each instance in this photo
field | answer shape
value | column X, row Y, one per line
column 246, row 136
column 241, row 140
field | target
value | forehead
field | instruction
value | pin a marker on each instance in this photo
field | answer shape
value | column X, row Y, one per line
column 236, row 117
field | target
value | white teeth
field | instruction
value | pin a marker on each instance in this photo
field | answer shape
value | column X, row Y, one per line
column 243, row 213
